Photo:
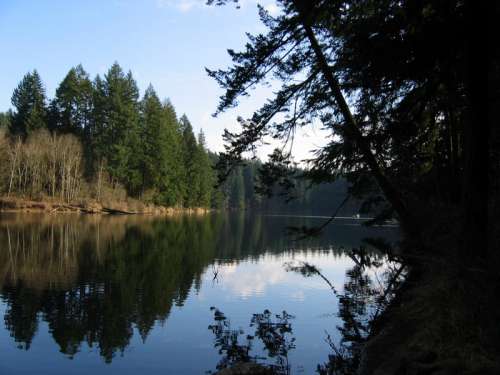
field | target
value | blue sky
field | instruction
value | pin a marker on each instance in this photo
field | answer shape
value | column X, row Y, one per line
column 164, row 42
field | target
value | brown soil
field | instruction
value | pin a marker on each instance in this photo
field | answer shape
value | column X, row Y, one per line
column 16, row 204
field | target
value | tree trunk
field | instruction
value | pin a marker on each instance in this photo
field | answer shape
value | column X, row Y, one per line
column 388, row 189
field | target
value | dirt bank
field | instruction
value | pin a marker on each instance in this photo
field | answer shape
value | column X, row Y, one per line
column 444, row 320
column 132, row 207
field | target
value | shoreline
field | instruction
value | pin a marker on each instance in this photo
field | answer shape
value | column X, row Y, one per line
column 91, row 207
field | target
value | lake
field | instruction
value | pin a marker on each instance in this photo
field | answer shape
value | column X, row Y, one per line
column 139, row 294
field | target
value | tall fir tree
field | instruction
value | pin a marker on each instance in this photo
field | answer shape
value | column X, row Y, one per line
column 30, row 105
column 121, row 128
column 173, row 181
column 236, row 198
column 70, row 111
column 153, row 150
column 204, row 171
column 190, row 155
column 96, row 133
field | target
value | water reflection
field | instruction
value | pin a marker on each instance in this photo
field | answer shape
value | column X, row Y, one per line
column 368, row 288
column 274, row 331
column 97, row 280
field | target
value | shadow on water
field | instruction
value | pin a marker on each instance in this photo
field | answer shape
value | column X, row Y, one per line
column 98, row 280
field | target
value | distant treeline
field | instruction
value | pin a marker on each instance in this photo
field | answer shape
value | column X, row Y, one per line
column 99, row 136
column 97, row 139
column 303, row 198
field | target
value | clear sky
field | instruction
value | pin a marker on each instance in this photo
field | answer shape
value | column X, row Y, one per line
column 163, row 42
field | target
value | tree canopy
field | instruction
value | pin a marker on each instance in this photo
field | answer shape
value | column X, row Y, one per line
column 31, row 105
column 129, row 143
column 398, row 104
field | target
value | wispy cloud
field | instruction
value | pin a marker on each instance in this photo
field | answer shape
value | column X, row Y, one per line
column 185, row 6
column 273, row 9
column 181, row 5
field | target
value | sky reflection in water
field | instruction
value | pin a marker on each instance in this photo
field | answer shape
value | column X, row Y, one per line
column 125, row 295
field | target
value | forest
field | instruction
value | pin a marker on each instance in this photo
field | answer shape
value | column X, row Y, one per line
column 98, row 140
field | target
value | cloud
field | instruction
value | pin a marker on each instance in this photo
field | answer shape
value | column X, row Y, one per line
column 273, row 9
column 183, row 6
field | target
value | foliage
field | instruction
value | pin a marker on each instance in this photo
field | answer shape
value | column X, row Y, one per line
column 122, row 142
column 400, row 108
column 30, row 106
column 71, row 109
column 5, row 118
column 44, row 165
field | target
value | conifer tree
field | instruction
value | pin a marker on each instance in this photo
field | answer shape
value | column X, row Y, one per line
column 121, row 128
column 204, row 172
column 153, row 150
column 190, row 155
column 236, row 190
column 70, row 111
column 30, row 105
column 173, row 181
column 95, row 137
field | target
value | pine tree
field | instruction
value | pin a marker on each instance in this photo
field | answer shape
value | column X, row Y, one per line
column 30, row 104
column 95, row 135
column 218, row 197
column 120, row 128
column 70, row 111
column 190, row 155
column 204, row 172
column 249, row 172
column 237, row 190
column 173, row 180
column 153, row 150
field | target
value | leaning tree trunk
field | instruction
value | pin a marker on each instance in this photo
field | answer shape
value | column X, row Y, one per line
column 353, row 131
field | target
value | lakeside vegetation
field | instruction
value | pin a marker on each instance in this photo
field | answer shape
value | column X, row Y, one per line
column 96, row 143
column 97, row 139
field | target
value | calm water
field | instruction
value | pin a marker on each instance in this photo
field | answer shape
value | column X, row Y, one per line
column 129, row 295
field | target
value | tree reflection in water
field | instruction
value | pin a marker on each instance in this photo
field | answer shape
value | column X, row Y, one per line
column 369, row 287
column 96, row 280
column 274, row 332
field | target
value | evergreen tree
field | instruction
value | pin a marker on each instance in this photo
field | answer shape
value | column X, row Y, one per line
column 30, row 104
column 218, row 198
column 202, row 142
column 204, row 172
column 237, row 190
column 70, row 111
column 173, row 181
column 190, row 156
column 153, row 150
column 95, row 137
column 249, row 172
column 121, row 128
